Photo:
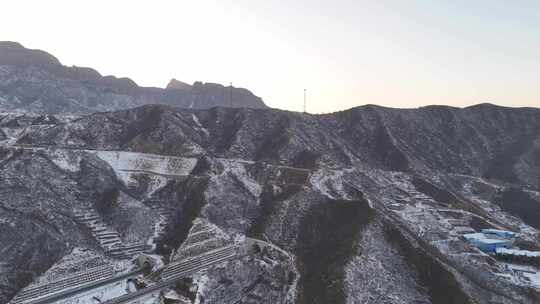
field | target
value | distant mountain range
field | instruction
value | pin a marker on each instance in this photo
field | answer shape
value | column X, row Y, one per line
column 35, row 81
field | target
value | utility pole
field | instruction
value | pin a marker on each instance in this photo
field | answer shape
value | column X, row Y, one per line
column 305, row 100
column 230, row 95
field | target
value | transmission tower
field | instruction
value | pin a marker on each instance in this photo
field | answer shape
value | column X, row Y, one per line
column 305, row 100
column 230, row 95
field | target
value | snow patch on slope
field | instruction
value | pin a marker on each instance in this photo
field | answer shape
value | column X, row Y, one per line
column 151, row 163
column 127, row 165
column 238, row 169
column 199, row 125
column 330, row 183
column 200, row 280
column 66, row 160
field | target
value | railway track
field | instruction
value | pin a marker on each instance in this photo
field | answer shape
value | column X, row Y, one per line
column 64, row 294
column 178, row 270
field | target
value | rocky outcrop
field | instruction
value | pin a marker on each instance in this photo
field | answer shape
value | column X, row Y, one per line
column 177, row 85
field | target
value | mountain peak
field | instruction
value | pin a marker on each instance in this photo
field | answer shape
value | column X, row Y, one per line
column 14, row 53
column 175, row 84
column 10, row 45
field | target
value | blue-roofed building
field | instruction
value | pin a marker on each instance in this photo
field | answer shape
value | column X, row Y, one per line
column 500, row 233
column 488, row 242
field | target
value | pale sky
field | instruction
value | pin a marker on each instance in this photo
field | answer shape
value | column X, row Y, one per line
column 346, row 53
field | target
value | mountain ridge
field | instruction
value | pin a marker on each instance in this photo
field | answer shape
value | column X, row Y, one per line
column 467, row 140
column 35, row 81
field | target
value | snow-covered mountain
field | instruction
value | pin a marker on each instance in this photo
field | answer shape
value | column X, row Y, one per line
column 35, row 81
column 367, row 205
